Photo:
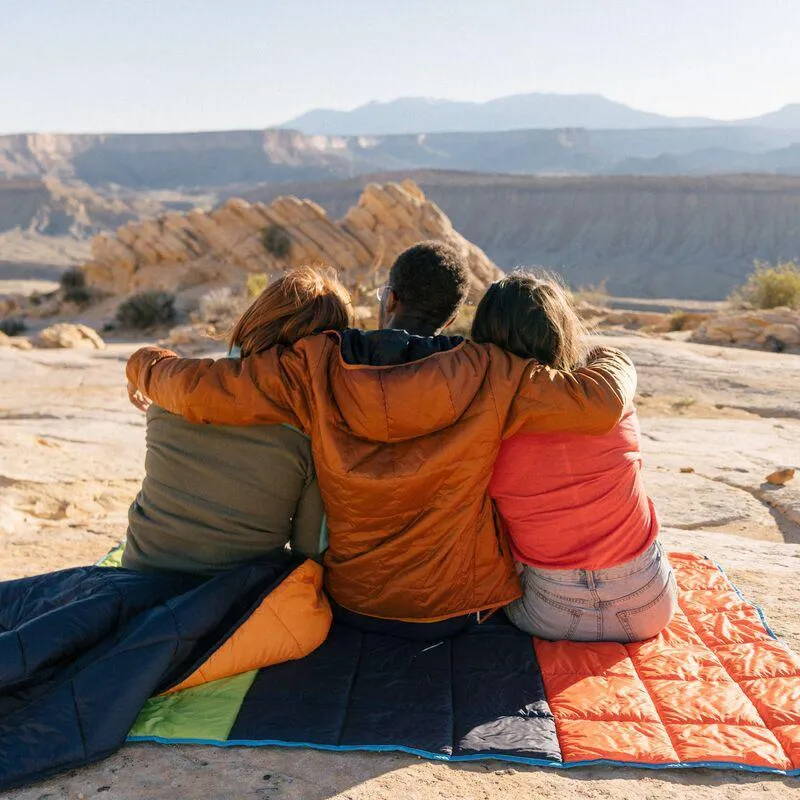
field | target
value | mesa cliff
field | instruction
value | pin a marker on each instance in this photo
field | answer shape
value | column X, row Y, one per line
column 689, row 237
column 177, row 251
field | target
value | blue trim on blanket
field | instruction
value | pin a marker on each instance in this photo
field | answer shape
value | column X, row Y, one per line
column 746, row 600
column 534, row 762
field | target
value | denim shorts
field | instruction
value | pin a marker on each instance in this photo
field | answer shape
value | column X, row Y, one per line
column 627, row 603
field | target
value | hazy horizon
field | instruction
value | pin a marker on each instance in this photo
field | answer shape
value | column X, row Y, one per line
column 180, row 66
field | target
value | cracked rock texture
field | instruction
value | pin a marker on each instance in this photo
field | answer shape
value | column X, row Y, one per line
column 71, row 456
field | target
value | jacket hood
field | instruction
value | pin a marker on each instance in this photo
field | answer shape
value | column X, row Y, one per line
column 391, row 386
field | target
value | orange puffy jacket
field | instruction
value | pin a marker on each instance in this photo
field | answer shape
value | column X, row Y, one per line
column 404, row 432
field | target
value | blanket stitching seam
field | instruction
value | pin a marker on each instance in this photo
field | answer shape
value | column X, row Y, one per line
column 350, row 689
column 655, row 705
column 78, row 716
column 22, row 653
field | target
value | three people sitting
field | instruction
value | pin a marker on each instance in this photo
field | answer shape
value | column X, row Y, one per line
column 413, row 434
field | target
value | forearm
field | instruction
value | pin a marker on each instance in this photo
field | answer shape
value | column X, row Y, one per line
column 223, row 392
column 589, row 400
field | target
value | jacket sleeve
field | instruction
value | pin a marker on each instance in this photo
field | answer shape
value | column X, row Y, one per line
column 589, row 400
column 271, row 387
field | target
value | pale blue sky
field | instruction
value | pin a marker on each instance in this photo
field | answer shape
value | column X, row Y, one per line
column 163, row 65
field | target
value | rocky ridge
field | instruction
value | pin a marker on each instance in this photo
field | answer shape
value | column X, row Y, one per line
column 775, row 329
column 178, row 251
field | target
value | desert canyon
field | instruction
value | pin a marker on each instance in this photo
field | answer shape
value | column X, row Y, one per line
column 642, row 209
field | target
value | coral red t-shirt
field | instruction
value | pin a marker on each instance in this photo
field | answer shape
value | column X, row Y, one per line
column 572, row 501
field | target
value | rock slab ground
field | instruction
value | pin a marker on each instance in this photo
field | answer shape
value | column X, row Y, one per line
column 716, row 422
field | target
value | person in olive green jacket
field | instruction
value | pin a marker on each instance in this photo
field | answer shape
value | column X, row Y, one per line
column 215, row 496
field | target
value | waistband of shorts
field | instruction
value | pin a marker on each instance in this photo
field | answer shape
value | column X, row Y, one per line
column 652, row 555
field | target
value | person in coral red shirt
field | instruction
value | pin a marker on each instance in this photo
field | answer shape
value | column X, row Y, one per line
column 583, row 532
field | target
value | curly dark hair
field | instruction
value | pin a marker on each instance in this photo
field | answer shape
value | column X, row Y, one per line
column 431, row 280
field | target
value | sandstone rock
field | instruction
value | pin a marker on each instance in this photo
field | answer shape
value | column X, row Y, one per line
column 787, row 334
column 17, row 342
column 68, row 335
column 781, row 477
column 765, row 328
column 179, row 251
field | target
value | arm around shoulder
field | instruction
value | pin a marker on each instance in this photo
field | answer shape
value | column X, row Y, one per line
column 589, row 400
column 268, row 388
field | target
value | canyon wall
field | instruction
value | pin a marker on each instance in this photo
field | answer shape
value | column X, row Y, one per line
column 686, row 237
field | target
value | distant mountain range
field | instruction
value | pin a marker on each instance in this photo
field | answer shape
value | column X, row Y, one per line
column 198, row 162
column 517, row 112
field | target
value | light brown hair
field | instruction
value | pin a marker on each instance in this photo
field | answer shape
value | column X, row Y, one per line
column 304, row 301
column 531, row 316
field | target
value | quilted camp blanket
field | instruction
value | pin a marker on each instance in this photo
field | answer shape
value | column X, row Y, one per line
column 91, row 656
column 715, row 689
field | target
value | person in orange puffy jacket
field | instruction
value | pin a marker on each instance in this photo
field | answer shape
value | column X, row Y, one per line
column 405, row 426
column 582, row 529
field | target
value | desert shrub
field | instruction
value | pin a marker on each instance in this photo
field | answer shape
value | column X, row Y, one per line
column 220, row 305
column 146, row 310
column 678, row 320
column 596, row 295
column 13, row 326
column 276, row 241
column 256, row 283
column 73, row 286
column 770, row 286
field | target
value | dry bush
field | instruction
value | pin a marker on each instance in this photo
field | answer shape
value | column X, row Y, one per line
column 596, row 295
column 147, row 310
column 677, row 320
column 276, row 241
column 13, row 326
column 462, row 325
column 770, row 286
column 256, row 284
column 220, row 306
column 74, row 288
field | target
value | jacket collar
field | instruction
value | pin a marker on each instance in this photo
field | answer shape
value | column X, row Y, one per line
column 389, row 348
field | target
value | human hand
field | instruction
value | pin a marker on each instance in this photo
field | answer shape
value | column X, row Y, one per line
column 137, row 398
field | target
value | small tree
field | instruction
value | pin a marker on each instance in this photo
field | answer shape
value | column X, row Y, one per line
column 276, row 241
column 770, row 286
column 146, row 310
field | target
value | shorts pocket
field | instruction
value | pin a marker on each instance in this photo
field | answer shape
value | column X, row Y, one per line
column 541, row 614
column 649, row 620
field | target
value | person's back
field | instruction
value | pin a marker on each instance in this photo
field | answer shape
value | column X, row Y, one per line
column 404, row 429
column 573, row 501
column 583, row 530
column 215, row 496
